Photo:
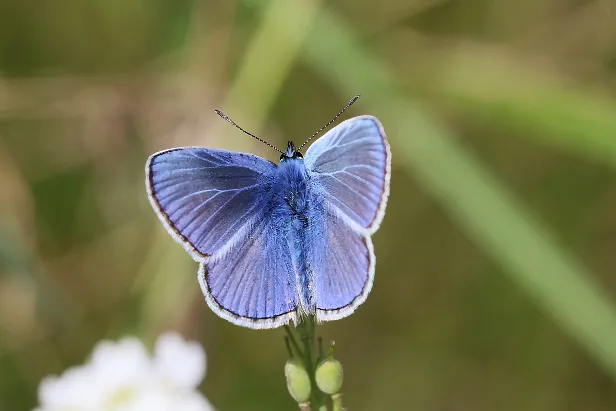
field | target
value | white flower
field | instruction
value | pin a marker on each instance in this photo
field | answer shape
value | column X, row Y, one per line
column 122, row 376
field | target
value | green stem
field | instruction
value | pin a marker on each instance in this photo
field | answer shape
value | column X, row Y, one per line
column 306, row 331
column 294, row 344
column 321, row 353
column 337, row 402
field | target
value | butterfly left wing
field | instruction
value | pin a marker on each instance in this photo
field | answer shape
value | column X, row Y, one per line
column 206, row 197
column 253, row 282
column 217, row 203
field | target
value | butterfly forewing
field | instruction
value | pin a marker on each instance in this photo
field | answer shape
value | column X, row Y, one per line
column 352, row 164
column 204, row 197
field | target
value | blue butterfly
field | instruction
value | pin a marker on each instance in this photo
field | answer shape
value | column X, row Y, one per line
column 278, row 242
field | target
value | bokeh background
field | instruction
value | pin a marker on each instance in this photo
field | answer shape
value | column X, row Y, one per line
column 496, row 259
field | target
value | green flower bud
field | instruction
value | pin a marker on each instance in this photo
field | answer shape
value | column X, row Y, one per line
column 298, row 381
column 329, row 376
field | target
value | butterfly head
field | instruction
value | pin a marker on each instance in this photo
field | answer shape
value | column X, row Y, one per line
column 291, row 152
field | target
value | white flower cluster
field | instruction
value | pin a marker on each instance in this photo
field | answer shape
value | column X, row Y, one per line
column 122, row 376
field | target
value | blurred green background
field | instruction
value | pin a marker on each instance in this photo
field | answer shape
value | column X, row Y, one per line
column 496, row 258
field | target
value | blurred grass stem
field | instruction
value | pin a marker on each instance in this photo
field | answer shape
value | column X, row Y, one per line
column 262, row 71
column 474, row 197
column 264, row 68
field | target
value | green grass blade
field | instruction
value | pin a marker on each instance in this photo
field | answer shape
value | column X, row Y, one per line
column 474, row 197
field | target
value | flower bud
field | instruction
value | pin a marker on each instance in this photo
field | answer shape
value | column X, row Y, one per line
column 329, row 376
column 298, row 381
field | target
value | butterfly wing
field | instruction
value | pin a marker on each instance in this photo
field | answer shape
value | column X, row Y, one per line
column 350, row 170
column 352, row 165
column 253, row 282
column 205, row 197
column 343, row 263
column 216, row 204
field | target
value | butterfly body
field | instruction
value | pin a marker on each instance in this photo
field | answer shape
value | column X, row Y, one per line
column 296, row 213
column 276, row 242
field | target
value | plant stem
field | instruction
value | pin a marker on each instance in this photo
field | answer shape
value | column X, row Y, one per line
column 306, row 331
column 337, row 402
column 291, row 338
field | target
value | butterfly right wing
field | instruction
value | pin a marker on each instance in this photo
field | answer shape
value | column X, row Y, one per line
column 205, row 197
column 350, row 169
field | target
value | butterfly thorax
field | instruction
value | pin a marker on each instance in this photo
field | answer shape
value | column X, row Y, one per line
column 292, row 182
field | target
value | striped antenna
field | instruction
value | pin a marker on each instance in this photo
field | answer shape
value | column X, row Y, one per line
column 224, row 116
column 349, row 104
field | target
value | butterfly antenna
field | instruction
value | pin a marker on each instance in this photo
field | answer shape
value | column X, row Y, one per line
column 224, row 116
column 349, row 104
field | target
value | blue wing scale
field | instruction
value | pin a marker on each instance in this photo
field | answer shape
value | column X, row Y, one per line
column 253, row 282
column 351, row 165
column 205, row 196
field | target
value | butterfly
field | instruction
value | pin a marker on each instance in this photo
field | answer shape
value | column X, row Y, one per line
column 275, row 243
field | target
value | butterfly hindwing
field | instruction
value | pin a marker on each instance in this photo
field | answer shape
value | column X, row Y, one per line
column 205, row 196
column 253, row 282
column 352, row 165
column 343, row 263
